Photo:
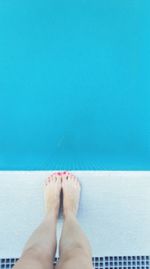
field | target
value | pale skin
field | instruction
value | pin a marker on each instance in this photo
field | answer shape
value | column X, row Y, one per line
column 74, row 248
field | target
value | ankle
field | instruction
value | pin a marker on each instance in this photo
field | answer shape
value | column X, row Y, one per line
column 51, row 215
column 69, row 214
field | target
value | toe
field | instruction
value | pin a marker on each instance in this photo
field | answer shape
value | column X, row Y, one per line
column 53, row 178
column 50, row 178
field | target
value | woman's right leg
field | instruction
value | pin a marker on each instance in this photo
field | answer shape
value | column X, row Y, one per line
column 75, row 250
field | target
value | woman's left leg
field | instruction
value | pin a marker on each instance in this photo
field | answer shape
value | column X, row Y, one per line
column 40, row 249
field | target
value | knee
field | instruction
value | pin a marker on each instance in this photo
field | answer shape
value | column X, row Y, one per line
column 31, row 252
column 75, row 257
column 77, row 250
column 35, row 253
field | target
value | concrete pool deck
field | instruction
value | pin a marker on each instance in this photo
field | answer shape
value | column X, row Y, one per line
column 114, row 210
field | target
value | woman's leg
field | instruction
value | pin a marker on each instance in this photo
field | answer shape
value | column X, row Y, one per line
column 40, row 249
column 75, row 250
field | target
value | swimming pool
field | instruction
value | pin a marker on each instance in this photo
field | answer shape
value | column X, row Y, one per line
column 74, row 85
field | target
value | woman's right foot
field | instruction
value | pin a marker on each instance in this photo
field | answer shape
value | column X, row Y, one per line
column 71, row 193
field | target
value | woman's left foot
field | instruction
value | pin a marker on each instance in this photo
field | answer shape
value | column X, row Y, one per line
column 52, row 191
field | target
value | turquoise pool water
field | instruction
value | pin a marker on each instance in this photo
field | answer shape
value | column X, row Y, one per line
column 74, row 85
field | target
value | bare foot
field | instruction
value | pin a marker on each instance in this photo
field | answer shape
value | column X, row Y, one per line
column 52, row 191
column 71, row 193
